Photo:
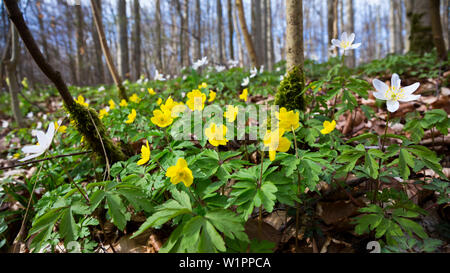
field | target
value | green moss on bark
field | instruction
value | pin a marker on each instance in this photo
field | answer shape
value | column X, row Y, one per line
column 83, row 122
column 421, row 39
column 289, row 93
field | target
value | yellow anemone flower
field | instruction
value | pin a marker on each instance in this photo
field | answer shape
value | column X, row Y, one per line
column 162, row 118
column 145, row 154
column 328, row 127
column 159, row 101
column 288, row 119
column 131, row 117
column 151, row 91
column 80, row 100
column 231, row 113
column 180, row 173
column 203, row 85
column 62, row 129
column 276, row 142
column 196, row 100
column 112, row 104
column 134, row 98
column 244, row 95
column 102, row 113
column 216, row 134
column 123, row 103
column 212, row 96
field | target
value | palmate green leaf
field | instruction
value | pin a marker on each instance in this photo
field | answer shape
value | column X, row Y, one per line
column 167, row 211
column 211, row 235
column 266, row 196
column 428, row 158
column 227, row 222
column 433, row 117
column 310, row 171
column 138, row 199
column 372, row 137
column 411, row 226
column 371, row 165
column 116, row 210
column 367, row 222
column 191, row 234
column 414, row 127
column 46, row 220
column 68, row 229
column 405, row 160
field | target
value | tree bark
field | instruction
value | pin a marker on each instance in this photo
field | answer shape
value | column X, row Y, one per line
column 11, row 66
column 81, row 49
column 419, row 20
column 198, row 51
column 109, row 60
column 247, row 38
column 257, row 34
column 124, row 65
column 438, row 36
column 137, row 40
column 86, row 120
column 100, row 74
column 230, row 28
column 332, row 7
column 220, row 29
column 270, row 45
column 238, row 38
column 159, row 36
column 350, row 28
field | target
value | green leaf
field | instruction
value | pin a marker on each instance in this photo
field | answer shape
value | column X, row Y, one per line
column 67, row 227
column 227, row 222
column 371, row 165
column 116, row 210
column 411, row 226
column 405, row 160
column 214, row 236
column 45, row 221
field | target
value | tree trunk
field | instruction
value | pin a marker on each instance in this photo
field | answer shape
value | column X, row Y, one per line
column 230, row 28
column 100, row 74
column 159, row 36
column 247, row 38
column 11, row 66
column 109, row 60
column 270, row 46
column 419, row 17
column 438, row 37
column 198, row 51
column 399, row 27
column 42, row 30
column 137, row 40
column 124, row 66
column 80, row 46
column 332, row 7
column 257, row 30
column 86, row 120
column 240, row 50
column 350, row 28
column 220, row 29
column 289, row 93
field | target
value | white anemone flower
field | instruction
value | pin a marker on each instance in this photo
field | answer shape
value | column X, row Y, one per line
column 245, row 82
column 5, row 123
column 159, row 77
column 219, row 68
column 346, row 42
column 44, row 141
column 261, row 69
column 253, row 72
column 394, row 93
column 199, row 63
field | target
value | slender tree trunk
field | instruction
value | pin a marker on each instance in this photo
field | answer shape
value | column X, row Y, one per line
column 290, row 92
column 109, row 60
column 100, row 74
column 81, row 49
column 400, row 27
column 247, row 38
column 42, row 30
column 11, row 66
column 220, row 29
column 438, row 37
column 159, row 36
column 332, row 6
column 137, row 40
column 270, row 45
column 240, row 50
column 124, row 65
column 230, row 28
column 86, row 120
column 420, row 33
column 350, row 28
column 257, row 35
column 198, row 51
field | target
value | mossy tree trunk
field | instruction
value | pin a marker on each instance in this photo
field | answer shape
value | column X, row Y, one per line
column 438, row 36
column 86, row 120
column 289, row 93
column 418, row 13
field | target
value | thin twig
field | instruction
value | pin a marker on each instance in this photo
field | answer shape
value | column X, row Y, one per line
column 44, row 159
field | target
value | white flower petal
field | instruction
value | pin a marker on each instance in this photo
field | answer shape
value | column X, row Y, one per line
column 410, row 89
column 355, row 46
column 42, row 138
column 30, row 157
column 380, row 86
column 344, row 36
column 410, row 98
column 379, row 95
column 351, row 38
column 336, row 43
column 32, row 149
column 395, row 81
column 392, row 105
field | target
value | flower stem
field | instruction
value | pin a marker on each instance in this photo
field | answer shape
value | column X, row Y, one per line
column 297, row 212
column 380, row 161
